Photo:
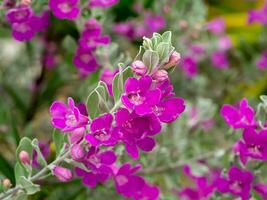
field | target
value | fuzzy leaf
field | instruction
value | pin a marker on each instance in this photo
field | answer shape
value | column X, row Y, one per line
column 20, row 171
column 150, row 59
column 40, row 156
column 58, row 139
column 29, row 186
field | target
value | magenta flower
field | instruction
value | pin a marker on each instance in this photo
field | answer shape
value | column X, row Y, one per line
column 224, row 43
column 85, row 61
column 189, row 66
column 258, row 16
column 137, row 131
column 19, row 14
column 65, row 9
column 99, row 167
column 254, row 145
column 91, row 36
column 169, row 110
column 203, row 189
column 216, row 26
column 261, row 63
column 261, row 189
column 126, row 182
column 238, row 183
column 219, row 60
column 139, row 96
column 67, row 117
column 126, row 29
column 101, row 132
column 148, row 192
column 239, row 117
column 155, row 23
column 102, row 3
column 107, row 77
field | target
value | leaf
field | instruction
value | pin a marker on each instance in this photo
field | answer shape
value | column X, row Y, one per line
column 6, row 169
column 24, row 145
column 20, row 171
column 118, row 82
column 92, row 104
column 58, row 139
column 150, row 59
column 40, row 157
column 19, row 196
column 167, row 37
column 29, row 186
column 163, row 51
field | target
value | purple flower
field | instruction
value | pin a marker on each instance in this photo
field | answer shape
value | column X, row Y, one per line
column 137, row 131
column 261, row 63
column 170, row 109
column 216, row 26
column 126, row 182
column 238, row 183
column 126, row 29
column 107, row 77
column 241, row 117
column 65, row 9
column 91, row 36
column 19, row 14
column 101, row 131
column 259, row 16
column 99, row 167
column 102, row 3
column 155, row 23
column 254, row 145
column 203, row 186
column 23, row 31
column 67, row 117
column 261, row 189
column 148, row 192
column 219, row 59
column 224, row 43
column 85, row 61
column 189, row 66
column 45, row 150
column 139, row 96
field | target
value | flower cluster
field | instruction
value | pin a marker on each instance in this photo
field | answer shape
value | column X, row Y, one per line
column 91, row 37
column 147, row 101
column 25, row 24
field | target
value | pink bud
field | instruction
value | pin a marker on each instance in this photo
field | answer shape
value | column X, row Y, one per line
column 63, row 174
column 173, row 61
column 183, row 24
column 77, row 152
column 6, row 183
column 77, row 135
column 139, row 68
column 25, row 2
column 24, row 157
column 160, row 75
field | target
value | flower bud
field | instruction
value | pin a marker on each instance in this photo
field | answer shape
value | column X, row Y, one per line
column 24, row 157
column 139, row 68
column 63, row 174
column 183, row 24
column 77, row 135
column 6, row 183
column 160, row 75
column 25, row 2
column 173, row 61
column 77, row 152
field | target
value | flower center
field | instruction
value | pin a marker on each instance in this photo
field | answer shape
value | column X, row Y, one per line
column 236, row 187
column 85, row 58
column 20, row 15
column 158, row 110
column 71, row 119
column 121, row 180
column 255, row 149
column 65, row 7
column 22, row 28
column 136, row 98
column 94, row 160
column 102, row 135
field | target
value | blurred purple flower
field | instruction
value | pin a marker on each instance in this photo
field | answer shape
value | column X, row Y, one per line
column 224, row 43
column 238, row 183
column 216, row 26
column 261, row 63
column 258, row 16
column 189, row 66
column 261, row 189
column 107, row 77
column 102, row 3
column 154, row 22
column 219, row 60
column 65, row 9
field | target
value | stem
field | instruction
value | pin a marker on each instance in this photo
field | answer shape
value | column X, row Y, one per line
column 174, row 166
column 37, row 176
column 116, row 106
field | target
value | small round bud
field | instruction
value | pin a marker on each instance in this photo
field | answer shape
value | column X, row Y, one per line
column 183, row 24
column 139, row 68
column 173, row 61
column 24, row 157
column 6, row 183
column 63, row 174
column 160, row 75
column 77, row 135
column 25, row 2
column 77, row 152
